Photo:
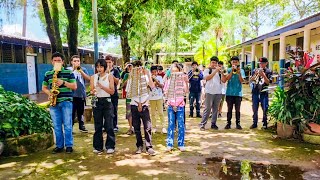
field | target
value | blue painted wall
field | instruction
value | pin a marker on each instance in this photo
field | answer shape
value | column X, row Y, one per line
column 13, row 77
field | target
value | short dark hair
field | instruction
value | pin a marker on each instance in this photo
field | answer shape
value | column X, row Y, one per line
column 74, row 56
column 174, row 61
column 236, row 58
column 214, row 58
column 194, row 62
column 57, row 54
column 153, row 68
column 220, row 62
column 102, row 63
column 160, row 68
column 137, row 63
column 108, row 57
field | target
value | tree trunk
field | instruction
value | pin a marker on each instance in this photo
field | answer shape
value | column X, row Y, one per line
column 217, row 39
column 49, row 28
column 126, row 18
column 72, row 29
column 145, row 55
column 24, row 26
column 55, row 20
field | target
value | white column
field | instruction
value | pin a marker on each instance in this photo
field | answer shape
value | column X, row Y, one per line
column 243, row 55
column 282, row 47
column 306, row 39
column 265, row 48
column 253, row 52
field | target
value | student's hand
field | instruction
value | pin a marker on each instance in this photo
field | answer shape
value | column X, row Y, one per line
column 99, row 85
column 59, row 82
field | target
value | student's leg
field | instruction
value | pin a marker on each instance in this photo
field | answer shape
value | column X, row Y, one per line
column 208, row 104
column 56, row 116
column 171, row 125
column 108, row 125
column 98, row 124
column 153, row 111
column 145, row 116
column 136, row 123
column 255, row 106
column 230, row 108
column 191, row 103
column 215, row 106
column 66, row 109
column 181, row 130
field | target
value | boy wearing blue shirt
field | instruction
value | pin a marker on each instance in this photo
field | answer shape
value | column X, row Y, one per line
column 235, row 77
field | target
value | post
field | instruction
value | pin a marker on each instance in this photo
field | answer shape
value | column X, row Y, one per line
column 265, row 49
column 95, row 29
column 24, row 26
column 243, row 57
column 253, row 59
column 282, row 57
column 306, row 39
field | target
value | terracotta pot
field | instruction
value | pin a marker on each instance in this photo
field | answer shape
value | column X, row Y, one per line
column 315, row 128
column 285, row 130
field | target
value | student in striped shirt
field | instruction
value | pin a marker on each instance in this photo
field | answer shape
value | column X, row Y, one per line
column 174, row 90
column 61, row 113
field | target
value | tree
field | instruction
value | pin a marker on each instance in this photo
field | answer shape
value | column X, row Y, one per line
column 116, row 17
column 72, row 28
column 52, row 23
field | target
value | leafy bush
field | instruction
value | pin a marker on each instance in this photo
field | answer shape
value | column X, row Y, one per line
column 299, row 102
column 20, row 116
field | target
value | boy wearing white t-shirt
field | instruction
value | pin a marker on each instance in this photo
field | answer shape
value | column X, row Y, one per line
column 156, row 100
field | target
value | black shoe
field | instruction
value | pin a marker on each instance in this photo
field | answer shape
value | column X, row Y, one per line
column 219, row 115
column 116, row 130
column 191, row 115
column 57, row 150
column 202, row 128
column 84, row 130
column 253, row 126
column 69, row 150
column 228, row 126
column 238, row 126
column 199, row 116
column 215, row 127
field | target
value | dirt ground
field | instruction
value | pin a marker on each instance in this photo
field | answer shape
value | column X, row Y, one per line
column 253, row 145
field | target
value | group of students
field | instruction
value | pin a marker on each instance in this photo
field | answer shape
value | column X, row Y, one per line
column 143, row 107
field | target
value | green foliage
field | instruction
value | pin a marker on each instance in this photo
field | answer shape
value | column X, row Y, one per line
column 19, row 116
column 299, row 104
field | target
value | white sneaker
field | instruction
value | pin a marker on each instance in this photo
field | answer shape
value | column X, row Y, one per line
column 110, row 151
column 164, row 130
column 154, row 130
column 151, row 152
column 97, row 151
column 182, row 148
column 169, row 149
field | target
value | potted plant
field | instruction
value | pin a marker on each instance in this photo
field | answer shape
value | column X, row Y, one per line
column 281, row 114
column 299, row 103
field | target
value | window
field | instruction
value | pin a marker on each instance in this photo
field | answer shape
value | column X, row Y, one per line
column 18, row 54
column 7, row 53
column 276, row 52
column 300, row 42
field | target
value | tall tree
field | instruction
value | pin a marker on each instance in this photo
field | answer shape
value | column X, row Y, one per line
column 72, row 29
column 52, row 23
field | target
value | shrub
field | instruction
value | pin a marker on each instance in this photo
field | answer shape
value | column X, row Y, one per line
column 20, row 116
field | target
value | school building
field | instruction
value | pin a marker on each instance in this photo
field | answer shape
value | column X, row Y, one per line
column 23, row 63
column 303, row 34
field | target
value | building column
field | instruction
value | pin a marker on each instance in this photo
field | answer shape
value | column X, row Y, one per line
column 253, row 57
column 265, row 49
column 306, row 39
column 243, row 57
column 282, row 57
